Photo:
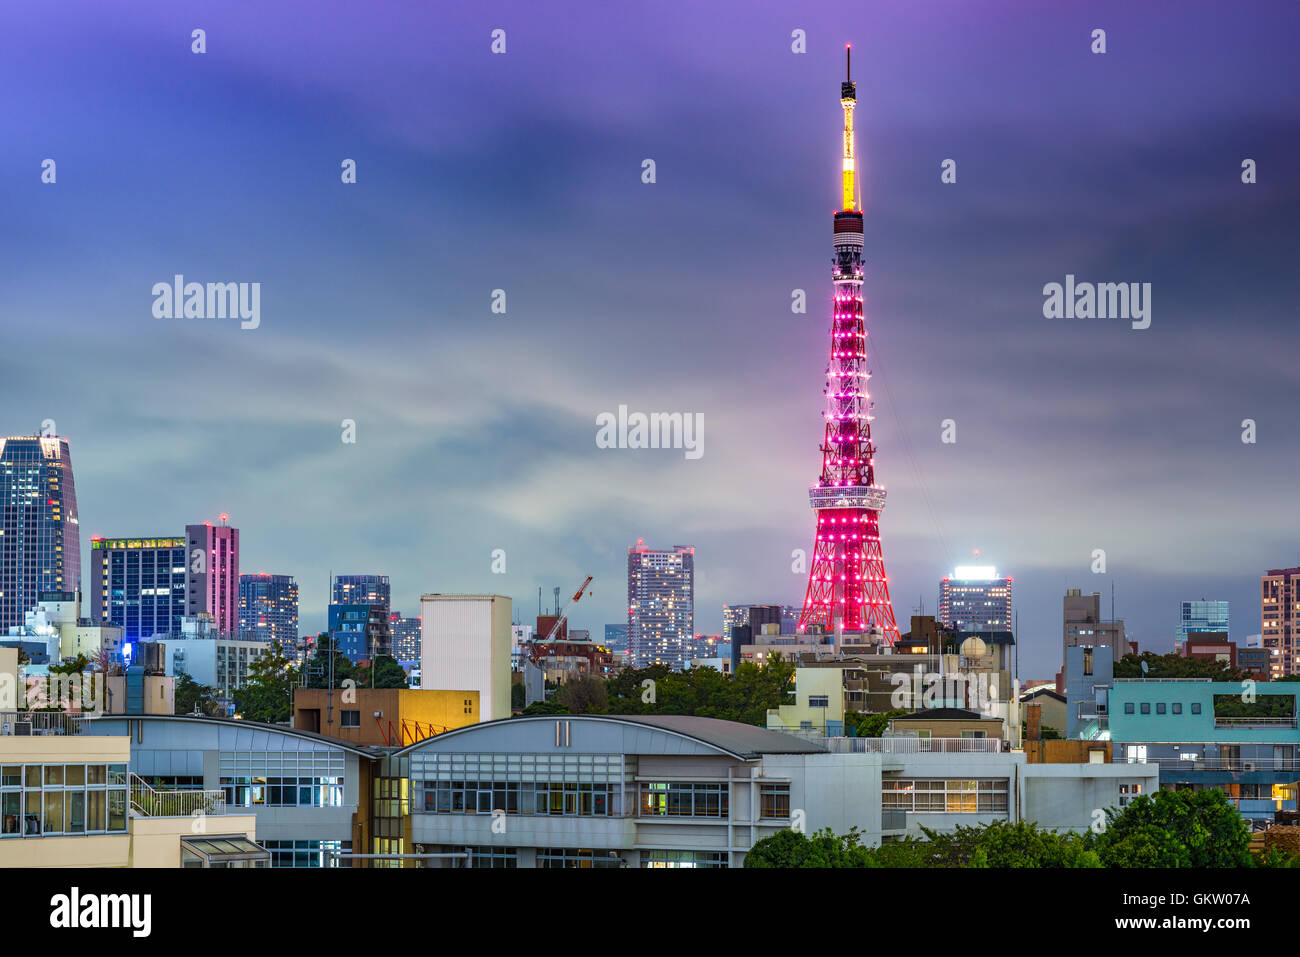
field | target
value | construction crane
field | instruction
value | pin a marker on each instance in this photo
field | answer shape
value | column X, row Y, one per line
column 561, row 618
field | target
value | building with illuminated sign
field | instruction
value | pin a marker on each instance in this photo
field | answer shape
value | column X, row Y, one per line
column 975, row 599
column 138, row 584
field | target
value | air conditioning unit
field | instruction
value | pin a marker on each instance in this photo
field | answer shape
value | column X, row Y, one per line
column 1249, row 766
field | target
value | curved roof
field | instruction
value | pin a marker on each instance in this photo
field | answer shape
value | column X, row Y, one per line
column 240, row 723
column 743, row 741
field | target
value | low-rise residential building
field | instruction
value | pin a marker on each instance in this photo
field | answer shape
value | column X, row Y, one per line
column 1239, row 737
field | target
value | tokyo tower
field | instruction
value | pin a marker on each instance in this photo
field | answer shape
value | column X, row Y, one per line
column 847, row 587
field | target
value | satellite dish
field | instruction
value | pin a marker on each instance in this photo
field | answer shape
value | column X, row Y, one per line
column 974, row 648
column 1144, row 666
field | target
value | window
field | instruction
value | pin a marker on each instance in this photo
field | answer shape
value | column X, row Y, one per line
column 1196, row 707
column 660, row 859
column 819, row 701
column 70, row 799
column 1128, row 707
column 1160, row 707
column 1146, row 707
column 774, row 801
column 1087, row 661
column 684, row 799
column 349, row 719
column 500, row 857
column 577, row 857
column 950, row 796
column 1178, row 707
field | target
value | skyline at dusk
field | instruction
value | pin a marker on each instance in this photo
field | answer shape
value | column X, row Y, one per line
column 523, row 172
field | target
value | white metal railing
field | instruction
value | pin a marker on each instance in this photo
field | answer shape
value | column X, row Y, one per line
column 1254, row 722
column 910, row 745
column 24, row 723
column 150, row 802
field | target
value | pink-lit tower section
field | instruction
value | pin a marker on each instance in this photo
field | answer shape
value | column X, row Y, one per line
column 847, row 587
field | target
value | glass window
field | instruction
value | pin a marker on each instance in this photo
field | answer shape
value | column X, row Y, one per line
column 74, row 775
column 95, row 804
column 1129, row 708
column 75, row 811
column 1146, row 707
column 1196, row 707
column 1160, row 707
column 11, row 813
column 116, row 810
column 1178, row 708
column 53, row 812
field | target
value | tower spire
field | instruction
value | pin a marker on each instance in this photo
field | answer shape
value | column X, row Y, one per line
column 847, row 588
column 848, row 100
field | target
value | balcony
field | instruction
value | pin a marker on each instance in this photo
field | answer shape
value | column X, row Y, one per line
column 148, row 802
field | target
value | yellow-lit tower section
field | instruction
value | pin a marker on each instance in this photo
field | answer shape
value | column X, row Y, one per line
column 849, row 100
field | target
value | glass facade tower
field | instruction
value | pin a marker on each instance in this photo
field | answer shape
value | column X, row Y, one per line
column 40, row 538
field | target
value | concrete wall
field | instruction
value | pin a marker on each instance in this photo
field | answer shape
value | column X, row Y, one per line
column 465, row 643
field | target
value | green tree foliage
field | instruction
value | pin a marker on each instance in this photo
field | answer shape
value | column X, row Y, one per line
column 744, row 696
column 1176, row 829
column 267, row 694
column 1175, row 666
column 387, row 674
column 869, row 725
column 192, row 696
column 544, row 707
column 318, row 665
column 1170, row 829
column 518, row 696
column 583, row 694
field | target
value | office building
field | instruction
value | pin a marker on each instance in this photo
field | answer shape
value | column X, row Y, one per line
column 661, row 605
column 40, row 538
column 1280, row 619
column 1200, row 616
column 211, row 659
column 1083, row 625
column 138, row 584
column 974, row 598
column 465, row 645
column 212, row 576
column 616, row 638
column 361, row 590
column 268, row 609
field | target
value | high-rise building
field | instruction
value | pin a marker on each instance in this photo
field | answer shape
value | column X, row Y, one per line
column 465, row 646
column 361, row 590
column 1083, row 626
column 138, row 584
column 847, row 587
column 40, row 538
column 406, row 637
column 660, row 605
column 975, row 599
column 1280, row 619
column 1198, row 616
column 212, row 575
column 268, row 609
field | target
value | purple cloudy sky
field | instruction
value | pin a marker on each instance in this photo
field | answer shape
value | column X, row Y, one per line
column 476, row 171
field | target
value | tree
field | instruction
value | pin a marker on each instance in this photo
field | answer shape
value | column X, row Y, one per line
column 518, row 696
column 583, row 694
column 543, row 707
column 267, row 694
column 869, row 725
column 387, row 674
column 1174, row 666
column 194, row 698
column 1176, row 829
column 318, row 666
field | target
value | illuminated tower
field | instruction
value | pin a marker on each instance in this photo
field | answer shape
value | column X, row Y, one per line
column 846, row 584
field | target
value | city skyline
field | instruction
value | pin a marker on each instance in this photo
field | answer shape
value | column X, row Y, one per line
column 1071, row 435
